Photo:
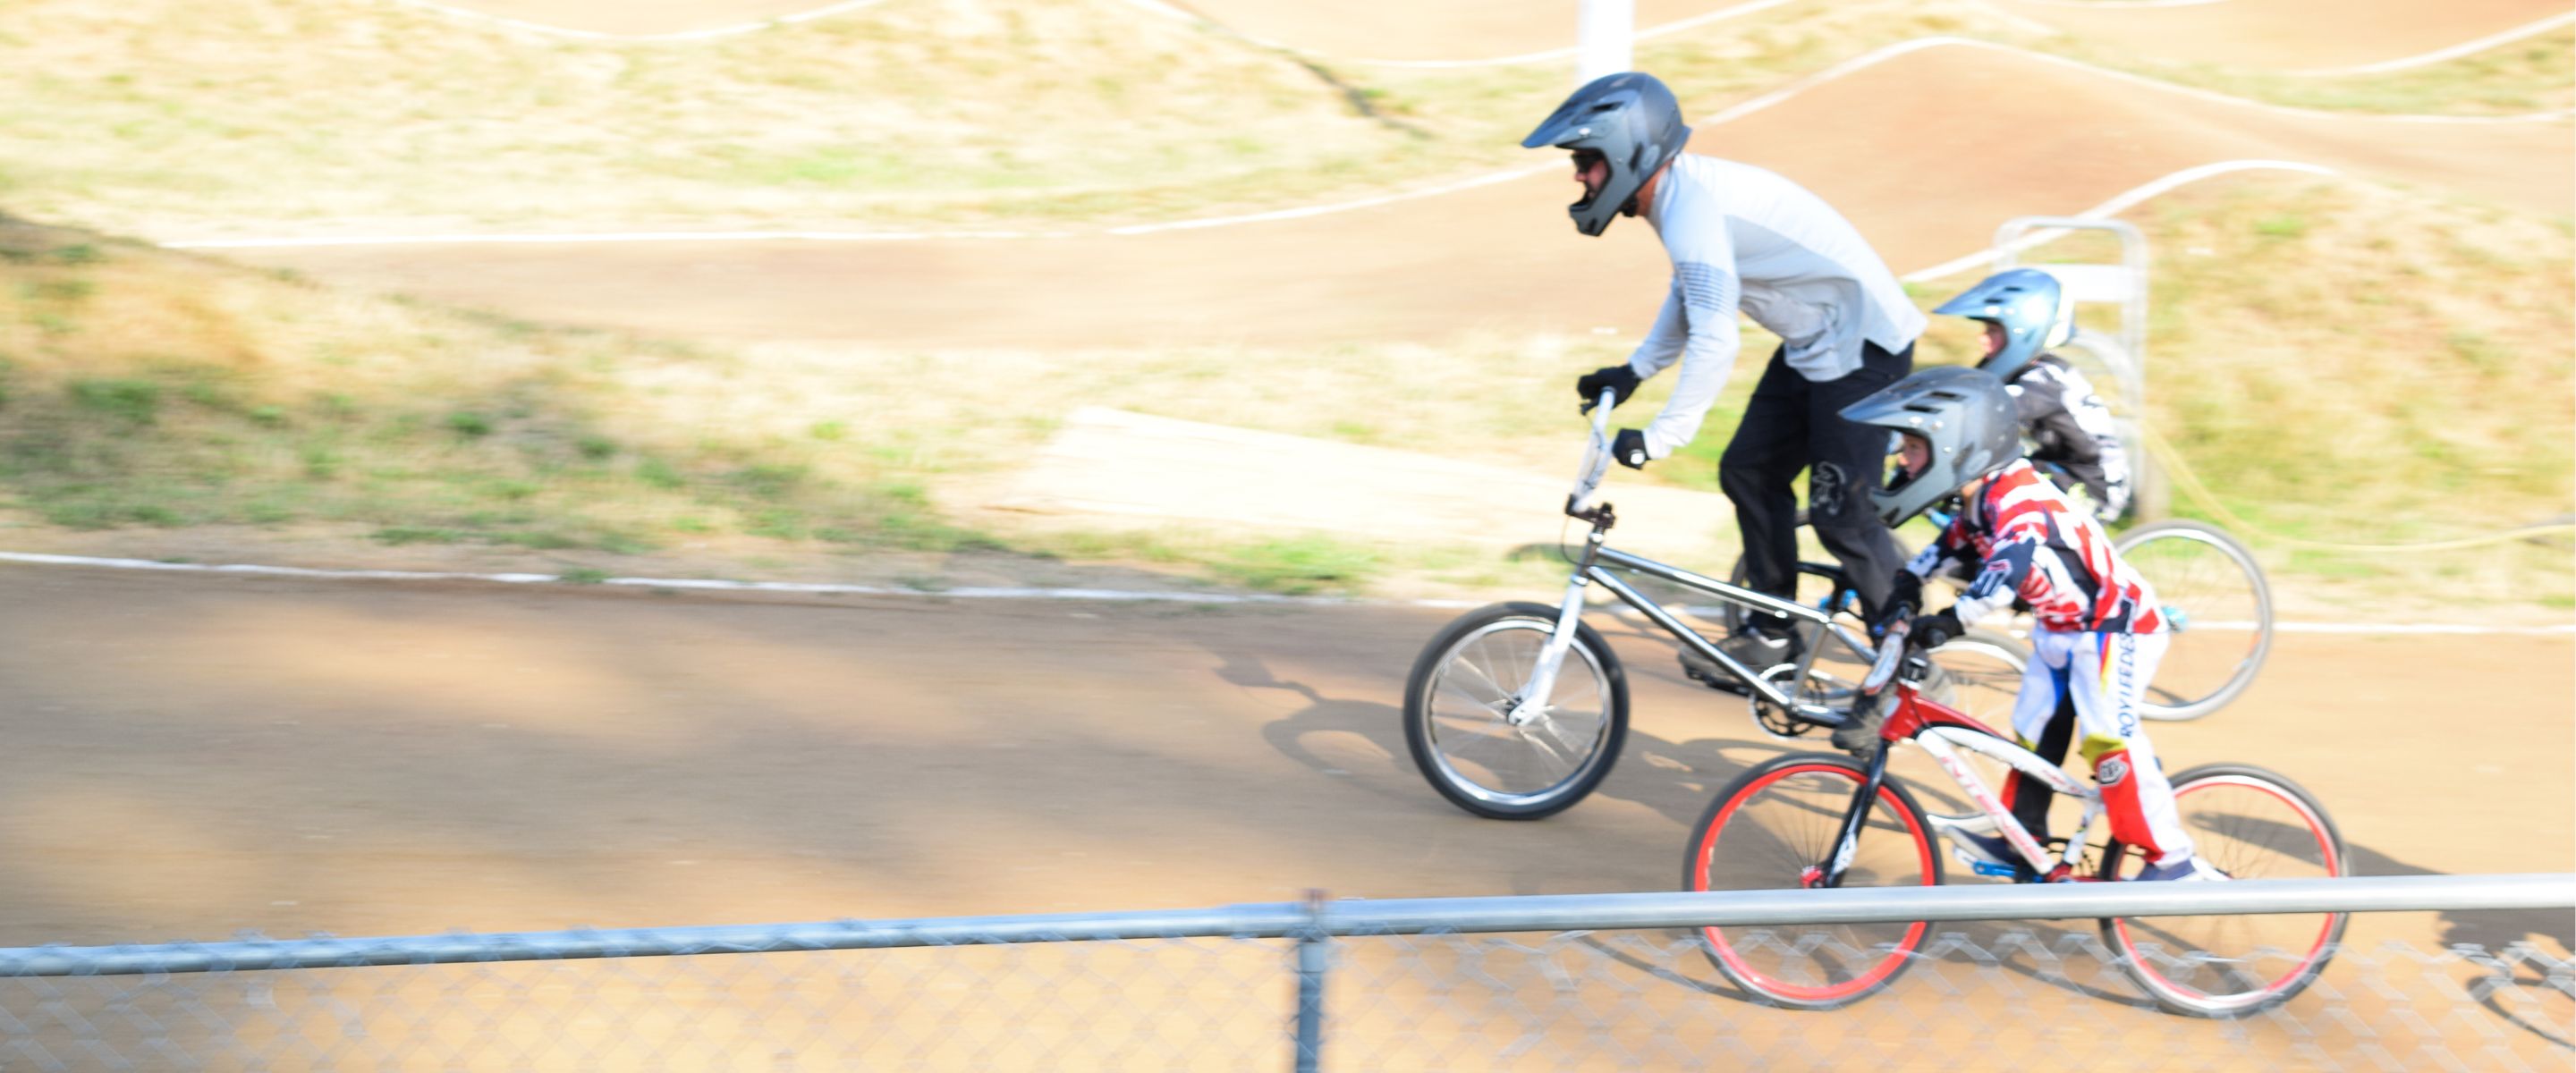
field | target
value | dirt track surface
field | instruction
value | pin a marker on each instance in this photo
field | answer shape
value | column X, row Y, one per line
column 195, row 755
column 2279, row 34
column 1926, row 153
column 1433, row 30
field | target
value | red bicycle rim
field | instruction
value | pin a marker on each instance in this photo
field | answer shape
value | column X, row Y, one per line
column 2334, row 866
column 1726, row 951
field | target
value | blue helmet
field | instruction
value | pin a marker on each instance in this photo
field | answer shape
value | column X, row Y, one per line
column 2036, row 313
column 1633, row 122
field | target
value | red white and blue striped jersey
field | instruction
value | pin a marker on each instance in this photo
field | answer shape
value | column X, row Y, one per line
column 2028, row 541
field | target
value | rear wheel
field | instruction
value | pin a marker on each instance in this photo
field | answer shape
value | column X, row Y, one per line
column 1774, row 828
column 2220, row 611
column 2251, row 824
column 1458, row 702
column 1980, row 675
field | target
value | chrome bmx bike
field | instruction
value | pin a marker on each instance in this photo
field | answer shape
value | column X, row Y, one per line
column 1820, row 820
column 1517, row 711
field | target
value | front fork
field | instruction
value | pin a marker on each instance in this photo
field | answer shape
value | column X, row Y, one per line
column 1847, row 842
column 1532, row 701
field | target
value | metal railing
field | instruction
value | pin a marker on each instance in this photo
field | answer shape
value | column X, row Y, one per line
column 1185, row 988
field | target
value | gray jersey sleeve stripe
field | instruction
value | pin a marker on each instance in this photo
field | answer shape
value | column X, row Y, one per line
column 1706, row 286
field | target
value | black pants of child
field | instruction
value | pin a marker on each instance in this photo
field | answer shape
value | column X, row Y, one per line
column 1791, row 424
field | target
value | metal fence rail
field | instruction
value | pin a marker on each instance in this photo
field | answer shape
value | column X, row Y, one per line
column 1580, row 982
column 1280, row 920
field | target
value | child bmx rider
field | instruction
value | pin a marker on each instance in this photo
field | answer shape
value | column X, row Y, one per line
column 2026, row 311
column 2097, row 631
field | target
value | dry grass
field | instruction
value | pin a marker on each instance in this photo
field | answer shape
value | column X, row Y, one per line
column 2535, row 74
column 147, row 388
column 2347, row 363
column 142, row 389
column 279, row 112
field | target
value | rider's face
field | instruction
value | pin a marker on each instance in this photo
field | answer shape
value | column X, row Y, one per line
column 1912, row 453
column 1592, row 170
column 1994, row 337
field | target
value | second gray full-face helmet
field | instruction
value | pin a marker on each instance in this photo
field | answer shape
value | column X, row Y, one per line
column 2036, row 313
column 1632, row 122
column 1964, row 414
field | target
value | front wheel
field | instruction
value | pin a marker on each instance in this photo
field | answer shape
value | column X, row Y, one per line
column 2251, row 824
column 2220, row 612
column 1774, row 827
column 1463, row 689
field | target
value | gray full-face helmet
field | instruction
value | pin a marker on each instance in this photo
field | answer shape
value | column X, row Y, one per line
column 2035, row 311
column 1964, row 414
column 1632, row 122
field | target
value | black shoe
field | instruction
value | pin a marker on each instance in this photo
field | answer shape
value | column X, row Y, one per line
column 1753, row 648
column 1860, row 735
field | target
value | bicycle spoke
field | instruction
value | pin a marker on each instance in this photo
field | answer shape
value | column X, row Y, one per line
column 1772, row 829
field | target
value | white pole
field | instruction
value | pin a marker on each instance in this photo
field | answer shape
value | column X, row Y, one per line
column 1606, row 31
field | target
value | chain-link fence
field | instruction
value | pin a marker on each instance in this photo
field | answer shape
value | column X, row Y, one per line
column 1337, row 986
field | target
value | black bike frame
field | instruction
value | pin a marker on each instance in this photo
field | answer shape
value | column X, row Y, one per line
column 1847, row 843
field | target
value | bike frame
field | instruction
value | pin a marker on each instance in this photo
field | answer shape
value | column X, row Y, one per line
column 1595, row 566
column 1945, row 733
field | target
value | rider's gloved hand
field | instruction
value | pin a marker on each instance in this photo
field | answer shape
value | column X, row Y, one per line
column 1935, row 630
column 1591, row 384
column 1629, row 447
column 1902, row 599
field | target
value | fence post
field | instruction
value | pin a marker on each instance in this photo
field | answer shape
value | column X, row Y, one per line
column 1605, row 35
column 1314, row 959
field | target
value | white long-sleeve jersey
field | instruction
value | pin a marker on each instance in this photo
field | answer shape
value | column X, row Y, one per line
column 1742, row 238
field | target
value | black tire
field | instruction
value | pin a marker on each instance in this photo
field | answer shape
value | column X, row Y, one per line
column 1768, row 830
column 2251, row 824
column 2221, row 610
column 1456, row 698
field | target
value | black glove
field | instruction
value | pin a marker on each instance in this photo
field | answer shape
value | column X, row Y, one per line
column 1935, row 630
column 1629, row 447
column 1902, row 599
column 1589, row 385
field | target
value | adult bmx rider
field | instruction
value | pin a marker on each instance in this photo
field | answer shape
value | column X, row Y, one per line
column 1744, row 239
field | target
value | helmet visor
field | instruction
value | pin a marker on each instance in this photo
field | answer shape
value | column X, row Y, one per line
column 1592, row 169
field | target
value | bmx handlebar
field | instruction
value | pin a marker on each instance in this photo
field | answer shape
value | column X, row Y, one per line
column 1596, row 457
column 1891, row 655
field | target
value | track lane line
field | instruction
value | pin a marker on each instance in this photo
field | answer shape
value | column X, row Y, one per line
column 1008, row 593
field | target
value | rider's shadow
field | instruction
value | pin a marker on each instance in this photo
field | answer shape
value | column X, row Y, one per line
column 1678, row 779
column 1355, row 741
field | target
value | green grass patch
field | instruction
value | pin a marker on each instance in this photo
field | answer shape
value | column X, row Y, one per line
column 1299, row 565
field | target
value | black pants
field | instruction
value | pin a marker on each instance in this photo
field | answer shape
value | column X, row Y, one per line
column 1791, row 424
